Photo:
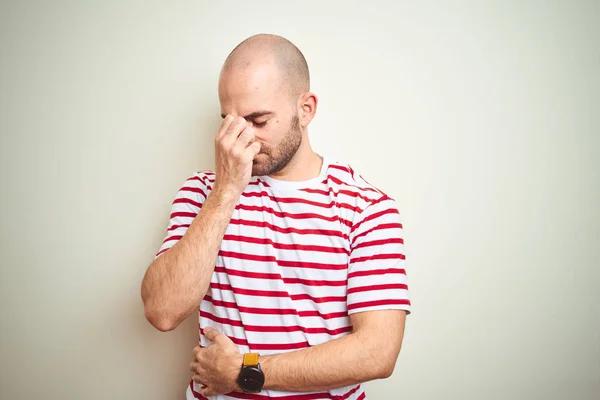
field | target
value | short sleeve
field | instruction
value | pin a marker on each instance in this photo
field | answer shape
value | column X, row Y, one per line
column 185, row 208
column 376, row 273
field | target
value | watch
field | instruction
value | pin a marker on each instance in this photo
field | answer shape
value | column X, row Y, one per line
column 251, row 378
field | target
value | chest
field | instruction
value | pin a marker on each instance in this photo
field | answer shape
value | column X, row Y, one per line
column 287, row 239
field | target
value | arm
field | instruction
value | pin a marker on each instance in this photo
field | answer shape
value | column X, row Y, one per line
column 176, row 282
column 368, row 353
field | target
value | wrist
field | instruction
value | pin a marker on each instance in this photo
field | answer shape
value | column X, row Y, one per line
column 236, row 368
column 225, row 194
column 251, row 378
column 266, row 367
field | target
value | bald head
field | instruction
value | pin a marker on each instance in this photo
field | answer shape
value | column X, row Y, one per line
column 260, row 50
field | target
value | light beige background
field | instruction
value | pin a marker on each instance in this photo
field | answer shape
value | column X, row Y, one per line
column 480, row 118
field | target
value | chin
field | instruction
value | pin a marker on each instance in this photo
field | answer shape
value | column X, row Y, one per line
column 257, row 170
column 259, row 167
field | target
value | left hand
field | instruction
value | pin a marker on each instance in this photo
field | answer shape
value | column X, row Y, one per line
column 217, row 366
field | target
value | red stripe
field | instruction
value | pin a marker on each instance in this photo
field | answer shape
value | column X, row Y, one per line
column 183, row 214
column 285, row 246
column 250, row 310
column 287, row 199
column 275, row 276
column 173, row 227
column 249, row 292
column 269, row 210
column 347, row 394
column 376, row 228
column 372, row 272
column 247, row 274
column 377, row 287
column 277, row 311
column 282, row 214
column 340, row 182
column 162, row 251
column 206, row 178
column 312, row 313
column 169, row 238
column 374, row 216
column 296, row 200
column 327, row 299
column 193, row 189
column 265, row 329
column 281, row 263
column 201, row 178
column 185, row 200
column 263, row 224
column 276, row 293
column 376, row 303
column 227, row 321
column 340, row 168
column 342, row 191
column 397, row 256
column 380, row 242
column 238, row 341
column 265, row 346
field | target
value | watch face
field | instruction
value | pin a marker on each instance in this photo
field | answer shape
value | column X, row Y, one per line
column 251, row 379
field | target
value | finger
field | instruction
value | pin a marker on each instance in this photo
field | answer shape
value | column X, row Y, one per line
column 227, row 140
column 246, row 137
column 198, row 379
column 217, row 337
column 225, row 125
column 195, row 367
column 210, row 333
column 252, row 150
column 235, row 127
column 196, row 349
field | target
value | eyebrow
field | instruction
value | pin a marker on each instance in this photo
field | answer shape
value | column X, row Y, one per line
column 254, row 115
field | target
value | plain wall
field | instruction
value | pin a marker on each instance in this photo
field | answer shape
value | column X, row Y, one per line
column 480, row 118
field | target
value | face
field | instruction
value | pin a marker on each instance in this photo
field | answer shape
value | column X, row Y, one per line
column 256, row 94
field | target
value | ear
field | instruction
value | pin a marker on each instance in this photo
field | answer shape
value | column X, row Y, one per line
column 307, row 108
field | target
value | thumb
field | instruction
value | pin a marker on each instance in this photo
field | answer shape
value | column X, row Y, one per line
column 217, row 337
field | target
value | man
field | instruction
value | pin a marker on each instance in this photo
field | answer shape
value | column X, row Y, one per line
column 296, row 261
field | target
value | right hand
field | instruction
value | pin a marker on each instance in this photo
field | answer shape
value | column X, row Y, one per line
column 235, row 148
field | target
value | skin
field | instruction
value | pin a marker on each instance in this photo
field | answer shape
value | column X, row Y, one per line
column 266, row 107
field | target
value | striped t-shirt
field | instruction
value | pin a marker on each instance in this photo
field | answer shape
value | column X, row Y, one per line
column 296, row 260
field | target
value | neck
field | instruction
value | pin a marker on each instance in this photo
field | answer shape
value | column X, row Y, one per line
column 305, row 165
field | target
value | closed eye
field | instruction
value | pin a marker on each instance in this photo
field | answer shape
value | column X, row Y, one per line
column 259, row 124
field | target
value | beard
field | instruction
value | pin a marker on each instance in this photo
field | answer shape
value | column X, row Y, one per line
column 275, row 159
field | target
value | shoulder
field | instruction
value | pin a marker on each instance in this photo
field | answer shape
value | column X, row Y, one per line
column 198, row 185
column 206, row 178
column 346, row 180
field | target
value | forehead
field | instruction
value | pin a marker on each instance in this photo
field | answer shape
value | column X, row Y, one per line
column 243, row 91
